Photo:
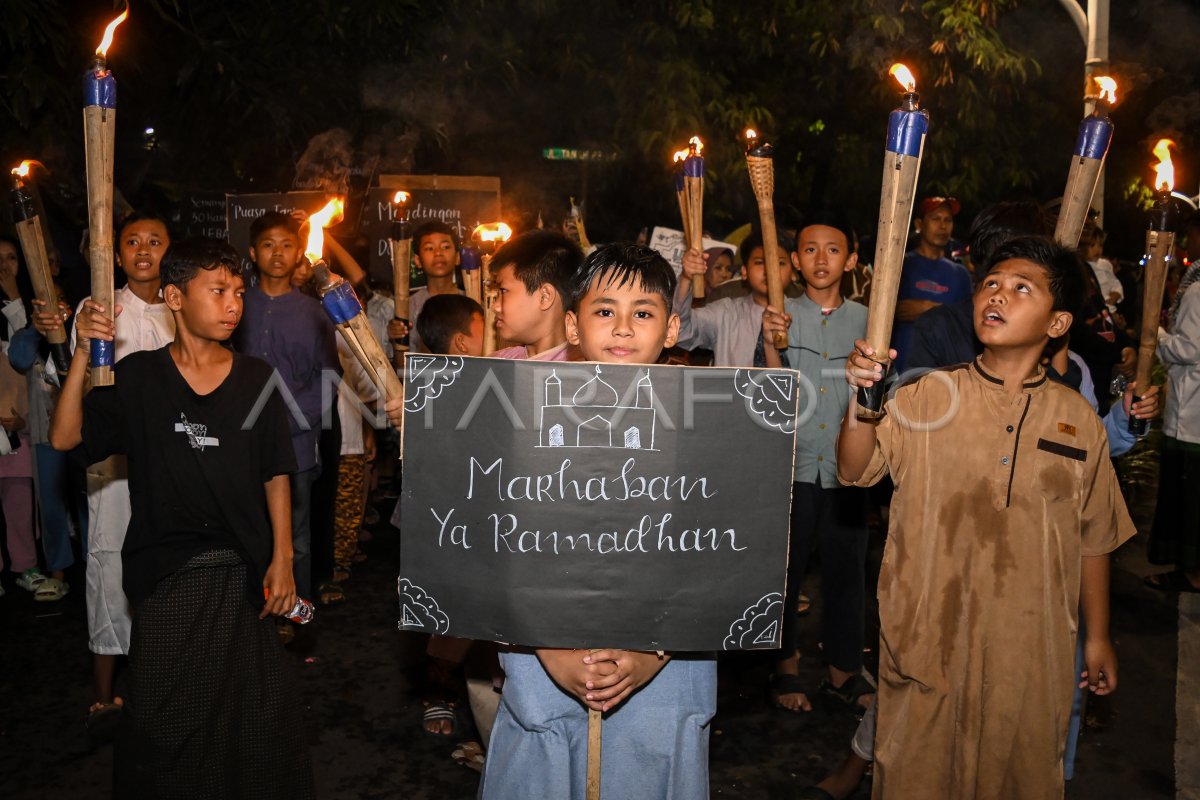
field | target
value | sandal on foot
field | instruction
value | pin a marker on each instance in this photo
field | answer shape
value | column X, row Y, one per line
column 341, row 574
column 781, row 684
column 803, row 605
column 849, row 693
column 469, row 754
column 50, row 590
column 30, row 579
column 102, row 722
column 331, row 594
column 438, row 711
column 1173, row 581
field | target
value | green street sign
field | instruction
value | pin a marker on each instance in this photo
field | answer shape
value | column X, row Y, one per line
column 575, row 154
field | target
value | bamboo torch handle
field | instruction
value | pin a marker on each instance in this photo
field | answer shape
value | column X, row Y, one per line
column 99, row 126
column 694, row 189
column 29, row 232
column 1077, row 200
column 362, row 342
column 1160, row 245
column 595, row 731
column 766, row 216
column 401, row 266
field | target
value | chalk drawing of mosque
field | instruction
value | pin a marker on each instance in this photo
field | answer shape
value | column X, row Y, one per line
column 594, row 416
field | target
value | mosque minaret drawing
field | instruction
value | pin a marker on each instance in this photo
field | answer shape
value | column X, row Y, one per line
column 595, row 415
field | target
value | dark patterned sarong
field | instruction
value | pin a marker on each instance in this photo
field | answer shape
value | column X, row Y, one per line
column 212, row 710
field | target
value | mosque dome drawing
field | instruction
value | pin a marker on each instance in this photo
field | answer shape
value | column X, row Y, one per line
column 597, row 415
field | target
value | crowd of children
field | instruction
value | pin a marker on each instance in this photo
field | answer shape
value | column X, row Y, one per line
column 227, row 476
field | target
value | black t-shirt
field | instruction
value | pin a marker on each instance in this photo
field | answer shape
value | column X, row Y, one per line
column 197, row 463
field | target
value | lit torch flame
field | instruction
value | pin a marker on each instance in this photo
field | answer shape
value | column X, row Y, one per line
column 905, row 77
column 680, row 155
column 492, row 232
column 317, row 223
column 1108, row 89
column 400, row 198
column 695, row 146
column 106, row 42
column 751, row 133
column 1164, row 170
column 22, row 171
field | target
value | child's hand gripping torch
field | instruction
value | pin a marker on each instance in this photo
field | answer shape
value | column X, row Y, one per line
column 1160, row 244
column 401, row 269
column 906, row 131
column 33, row 244
column 1091, row 146
column 760, row 162
column 99, row 132
column 344, row 308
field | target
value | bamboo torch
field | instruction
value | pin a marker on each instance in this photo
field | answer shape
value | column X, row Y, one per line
column 33, row 244
column 401, row 269
column 470, row 260
column 760, row 162
column 489, row 238
column 907, row 126
column 576, row 217
column 681, row 195
column 99, row 132
column 693, row 189
column 344, row 308
column 1091, row 146
column 1160, row 244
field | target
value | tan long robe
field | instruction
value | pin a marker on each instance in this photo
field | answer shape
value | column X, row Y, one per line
column 998, row 497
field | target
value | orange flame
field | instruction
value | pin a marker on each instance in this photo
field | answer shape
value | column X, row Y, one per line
column 751, row 133
column 492, row 232
column 695, row 146
column 905, row 77
column 331, row 214
column 680, row 155
column 106, row 42
column 1108, row 89
column 22, row 171
column 401, row 198
column 1164, row 170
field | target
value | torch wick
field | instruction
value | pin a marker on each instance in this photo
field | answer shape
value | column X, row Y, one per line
column 912, row 101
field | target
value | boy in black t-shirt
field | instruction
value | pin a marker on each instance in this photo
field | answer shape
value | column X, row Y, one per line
column 209, row 712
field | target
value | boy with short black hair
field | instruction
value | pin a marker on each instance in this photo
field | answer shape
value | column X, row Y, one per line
column 730, row 327
column 290, row 331
column 822, row 327
column 1005, row 511
column 436, row 249
column 452, row 324
column 659, row 708
column 210, row 709
column 534, row 274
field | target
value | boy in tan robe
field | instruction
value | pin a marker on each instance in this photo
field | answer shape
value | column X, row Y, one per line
column 1006, row 508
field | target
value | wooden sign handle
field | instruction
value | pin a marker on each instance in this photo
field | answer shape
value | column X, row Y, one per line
column 595, row 729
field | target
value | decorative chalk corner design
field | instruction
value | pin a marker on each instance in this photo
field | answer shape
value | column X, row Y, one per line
column 770, row 396
column 426, row 377
column 758, row 626
column 419, row 611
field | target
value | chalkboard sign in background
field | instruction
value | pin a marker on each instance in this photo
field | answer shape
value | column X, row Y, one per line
column 586, row 505
column 200, row 214
column 242, row 209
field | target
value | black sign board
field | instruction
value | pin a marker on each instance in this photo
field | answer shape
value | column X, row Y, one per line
column 200, row 214
column 462, row 202
column 242, row 209
column 596, row 505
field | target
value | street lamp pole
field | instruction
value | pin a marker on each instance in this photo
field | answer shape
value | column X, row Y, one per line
column 1093, row 30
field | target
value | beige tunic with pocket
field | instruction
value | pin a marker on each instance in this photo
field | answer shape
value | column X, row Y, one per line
column 998, row 498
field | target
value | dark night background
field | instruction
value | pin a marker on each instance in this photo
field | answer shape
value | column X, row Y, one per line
column 240, row 93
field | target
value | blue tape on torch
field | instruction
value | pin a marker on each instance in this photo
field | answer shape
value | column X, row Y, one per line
column 906, row 131
column 341, row 303
column 469, row 258
column 100, row 353
column 1095, row 135
column 693, row 166
column 99, row 89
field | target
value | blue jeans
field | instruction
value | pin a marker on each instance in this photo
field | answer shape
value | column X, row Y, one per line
column 302, row 529
column 53, row 501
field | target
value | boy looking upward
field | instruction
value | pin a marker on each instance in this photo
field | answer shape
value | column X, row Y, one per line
column 291, row 332
column 1005, row 511
column 656, row 732
column 534, row 272
column 211, row 710
column 822, row 327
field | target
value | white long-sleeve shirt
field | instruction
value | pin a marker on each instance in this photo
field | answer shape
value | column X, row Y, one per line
column 1179, row 350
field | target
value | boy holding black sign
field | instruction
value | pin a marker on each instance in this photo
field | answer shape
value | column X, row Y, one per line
column 659, row 707
column 1005, row 511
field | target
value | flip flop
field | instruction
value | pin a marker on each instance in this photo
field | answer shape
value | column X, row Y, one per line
column 781, row 684
column 849, row 693
column 1173, row 581
column 438, row 712
column 102, row 723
